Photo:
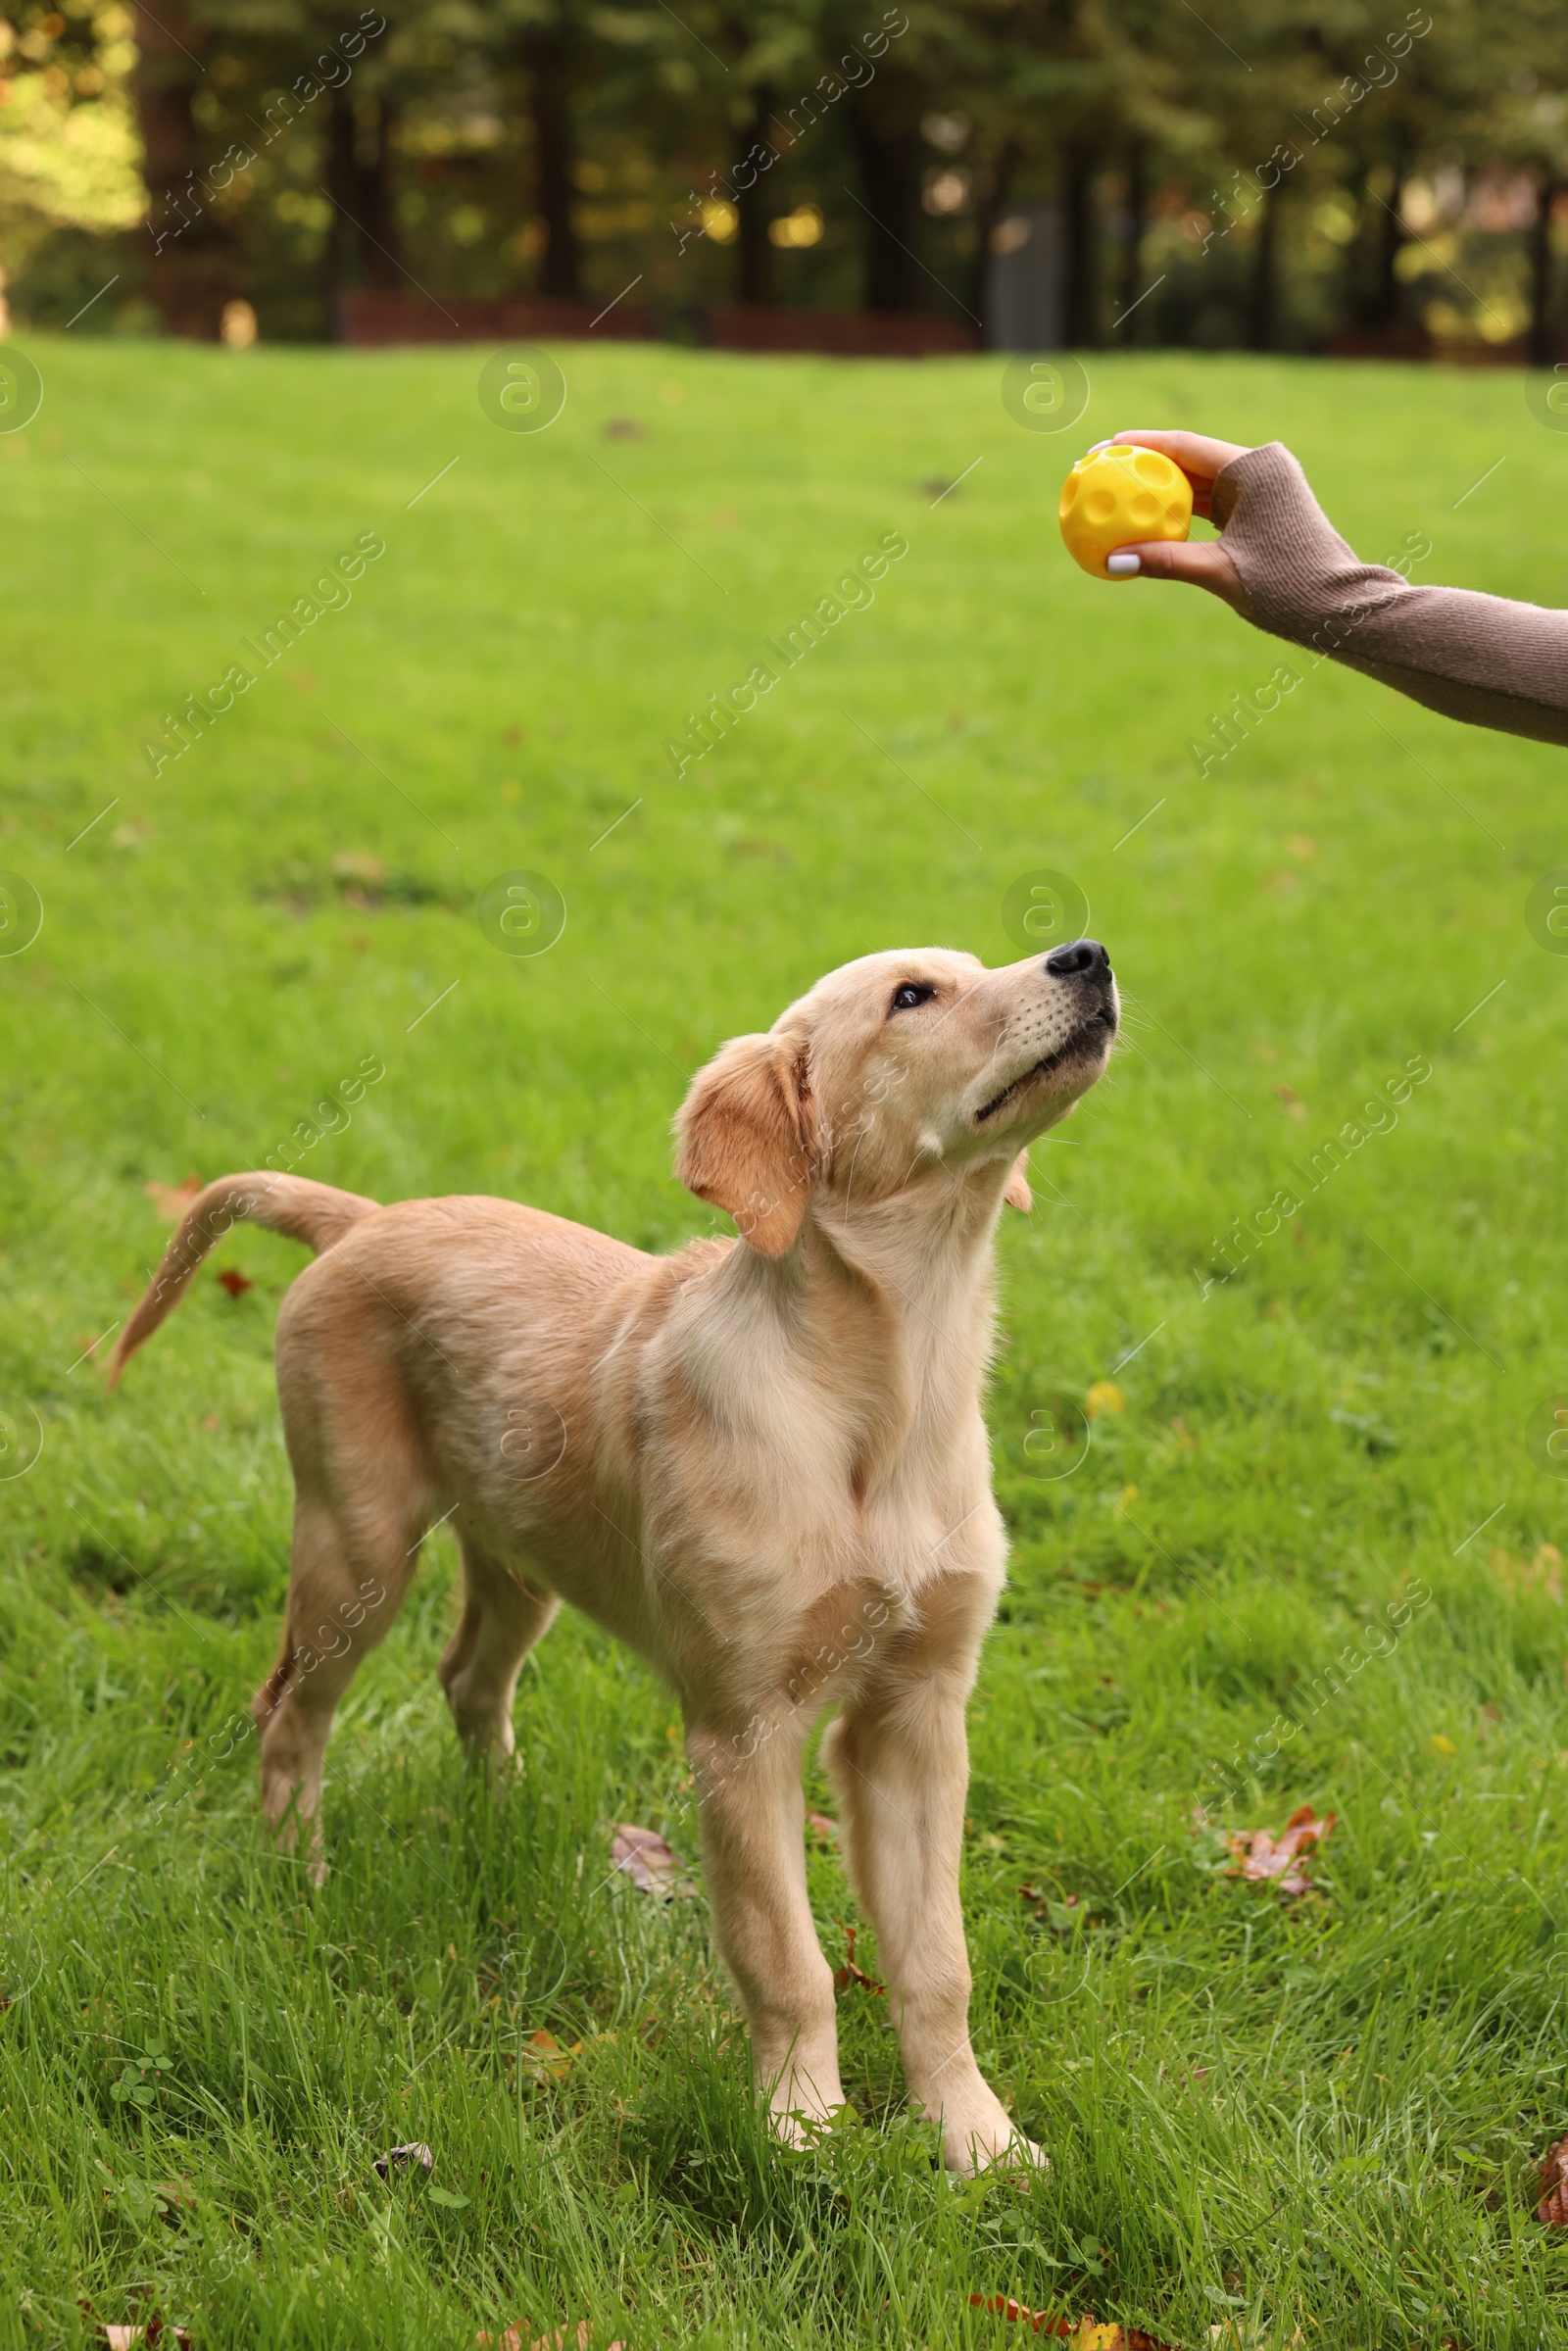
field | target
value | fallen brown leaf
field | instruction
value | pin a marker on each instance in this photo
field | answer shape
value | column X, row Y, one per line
column 235, row 1282
column 1005, row 2307
column 821, row 1827
column 1553, row 2210
column 396, row 2157
column 152, row 2332
column 352, row 866
column 851, row 1972
column 515, row 2338
column 1259, row 1855
column 1542, row 1573
column 173, row 1199
column 650, row 1862
column 1088, row 2334
column 544, row 2054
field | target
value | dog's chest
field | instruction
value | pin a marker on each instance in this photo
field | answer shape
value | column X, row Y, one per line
column 832, row 1643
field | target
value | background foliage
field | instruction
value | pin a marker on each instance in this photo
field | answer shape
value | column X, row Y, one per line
column 505, row 147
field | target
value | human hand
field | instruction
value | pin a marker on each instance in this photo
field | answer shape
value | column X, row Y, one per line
column 1202, row 563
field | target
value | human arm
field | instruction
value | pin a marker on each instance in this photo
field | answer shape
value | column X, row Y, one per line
column 1280, row 563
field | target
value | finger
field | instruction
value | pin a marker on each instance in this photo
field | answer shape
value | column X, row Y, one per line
column 1194, row 452
column 1202, row 563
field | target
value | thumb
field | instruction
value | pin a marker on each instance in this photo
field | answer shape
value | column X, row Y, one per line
column 1202, row 563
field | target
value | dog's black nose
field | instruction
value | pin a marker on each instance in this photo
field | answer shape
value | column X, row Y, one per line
column 1085, row 959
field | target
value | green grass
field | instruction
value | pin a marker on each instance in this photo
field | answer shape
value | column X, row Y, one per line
column 1322, row 2114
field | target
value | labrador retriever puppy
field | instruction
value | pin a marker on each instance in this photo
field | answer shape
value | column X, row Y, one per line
column 761, row 1461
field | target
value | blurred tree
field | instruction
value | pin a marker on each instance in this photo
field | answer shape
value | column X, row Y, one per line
column 69, row 152
column 1212, row 167
column 549, row 46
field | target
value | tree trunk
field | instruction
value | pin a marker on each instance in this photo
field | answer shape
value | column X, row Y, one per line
column 192, row 267
column 1132, row 258
column 1352, row 294
column 1378, row 305
column 1081, row 239
column 363, row 246
column 987, row 210
column 890, row 191
column 1390, row 243
column 550, row 80
column 753, row 253
column 1262, row 293
column 1543, row 335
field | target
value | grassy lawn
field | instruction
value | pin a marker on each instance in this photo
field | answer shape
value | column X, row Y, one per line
column 1261, row 1588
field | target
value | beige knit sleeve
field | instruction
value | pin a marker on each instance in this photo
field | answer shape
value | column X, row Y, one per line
column 1472, row 656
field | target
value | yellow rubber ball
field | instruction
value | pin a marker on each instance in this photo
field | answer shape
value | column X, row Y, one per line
column 1117, row 497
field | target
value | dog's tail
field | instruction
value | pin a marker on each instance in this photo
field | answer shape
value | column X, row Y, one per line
column 315, row 1213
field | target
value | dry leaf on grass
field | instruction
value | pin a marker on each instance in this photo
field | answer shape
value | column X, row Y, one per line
column 1087, row 2334
column 235, row 1282
column 173, row 1199
column 395, row 2158
column 1256, row 1854
column 150, row 2332
column 543, row 2054
column 1553, row 2210
column 517, row 2338
column 1005, row 2307
column 851, row 1972
column 819, row 1826
column 650, row 1862
column 1542, row 1573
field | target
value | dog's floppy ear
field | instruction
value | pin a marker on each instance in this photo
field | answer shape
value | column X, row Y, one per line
column 1017, row 1194
column 742, row 1138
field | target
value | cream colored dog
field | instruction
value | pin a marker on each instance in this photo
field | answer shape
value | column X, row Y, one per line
column 761, row 1462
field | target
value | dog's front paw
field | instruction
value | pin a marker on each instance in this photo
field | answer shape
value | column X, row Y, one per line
column 992, row 2142
column 809, row 2119
column 793, row 2129
column 1017, row 2154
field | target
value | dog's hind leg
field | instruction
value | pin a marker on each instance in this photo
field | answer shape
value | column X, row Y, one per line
column 352, row 1564
column 502, row 1618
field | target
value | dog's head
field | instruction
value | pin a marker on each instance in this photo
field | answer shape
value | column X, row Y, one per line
column 895, row 1072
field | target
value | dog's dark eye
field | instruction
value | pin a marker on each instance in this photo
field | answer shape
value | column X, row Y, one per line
column 912, row 992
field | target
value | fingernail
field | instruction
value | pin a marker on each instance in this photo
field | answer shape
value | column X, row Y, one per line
column 1123, row 566
column 1099, row 445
